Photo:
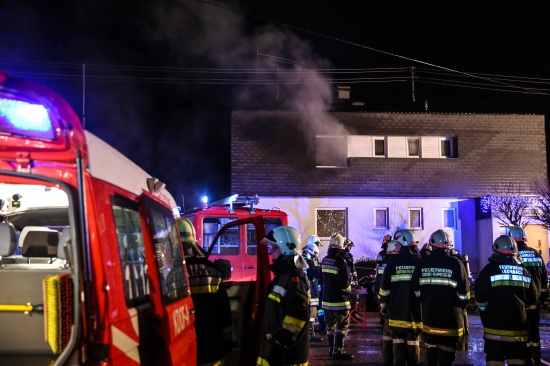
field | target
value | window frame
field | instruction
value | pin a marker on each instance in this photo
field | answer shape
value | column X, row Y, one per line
column 383, row 139
column 386, row 217
column 421, row 218
column 444, row 217
column 419, row 148
column 343, row 144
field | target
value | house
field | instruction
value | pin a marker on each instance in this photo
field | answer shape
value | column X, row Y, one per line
column 367, row 174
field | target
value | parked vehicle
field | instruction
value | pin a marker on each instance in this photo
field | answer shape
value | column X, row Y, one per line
column 90, row 253
column 237, row 245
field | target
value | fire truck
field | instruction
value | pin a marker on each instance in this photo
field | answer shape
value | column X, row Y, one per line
column 237, row 245
column 92, row 269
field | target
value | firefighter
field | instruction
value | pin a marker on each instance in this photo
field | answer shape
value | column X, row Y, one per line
column 504, row 289
column 354, row 298
column 441, row 283
column 285, row 330
column 426, row 250
column 213, row 324
column 336, row 282
column 387, row 340
column 380, row 266
column 533, row 262
column 311, row 256
column 398, row 301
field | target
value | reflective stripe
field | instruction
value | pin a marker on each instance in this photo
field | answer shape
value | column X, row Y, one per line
column 417, row 293
column 505, row 335
column 279, row 290
column 401, row 277
column 383, row 292
column 464, row 297
column 443, row 332
column 438, row 281
column 206, row 289
column 413, row 343
column 398, row 341
column 405, row 324
column 274, row 297
column 292, row 324
column 344, row 305
column 510, row 280
column 331, row 271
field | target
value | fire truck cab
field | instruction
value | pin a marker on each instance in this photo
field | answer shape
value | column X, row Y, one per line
column 239, row 244
column 92, row 270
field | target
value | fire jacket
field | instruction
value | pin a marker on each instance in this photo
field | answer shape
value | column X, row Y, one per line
column 441, row 284
column 533, row 262
column 213, row 324
column 396, row 293
column 285, row 329
column 382, row 262
column 351, row 265
column 336, row 281
column 313, row 273
column 503, row 291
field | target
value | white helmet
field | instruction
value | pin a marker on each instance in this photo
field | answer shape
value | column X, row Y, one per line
column 312, row 250
column 406, row 237
column 336, row 241
column 391, row 247
column 286, row 238
column 315, row 240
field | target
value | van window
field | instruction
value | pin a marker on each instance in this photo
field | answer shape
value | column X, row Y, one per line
column 228, row 243
column 168, row 251
column 131, row 250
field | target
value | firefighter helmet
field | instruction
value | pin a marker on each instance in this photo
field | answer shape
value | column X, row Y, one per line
column 440, row 239
column 286, row 238
column 315, row 240
column 392, row 247
column 348, row 243
column 518, row 234
column 187, row 230
column 385, row 240
column 406, row 237
column 504, row 244
column 312, row 250
column 336, row 241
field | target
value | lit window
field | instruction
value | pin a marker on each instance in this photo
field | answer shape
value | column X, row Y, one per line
column 415, row 218
column 381, row 218
column 449, row 218
column 329, row 221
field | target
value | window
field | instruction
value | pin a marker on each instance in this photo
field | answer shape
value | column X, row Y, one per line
column 449, row 218
column 132, row 251
column 381, row 218
column 380, row 147
column 228, row 243
column 413, row 147
column 331, row 151
column 448, row 147
column 173, row 276
column 329, row 221
column 415, row 218
column 270, row 224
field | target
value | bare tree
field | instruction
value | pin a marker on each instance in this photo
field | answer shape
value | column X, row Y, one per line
column 541, row 211
column 510, row 207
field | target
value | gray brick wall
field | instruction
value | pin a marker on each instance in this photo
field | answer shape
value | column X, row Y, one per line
column 273, row 153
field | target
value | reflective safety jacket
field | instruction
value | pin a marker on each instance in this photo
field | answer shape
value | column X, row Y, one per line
column 533, row 262
column 381, row 263
column 313, row 274
column 441, row 284
column 285, row 328
column 213, row 324
column 503, row 291
column 336, row 281
column 396, row 291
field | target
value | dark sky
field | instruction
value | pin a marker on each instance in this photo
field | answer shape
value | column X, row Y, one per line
column 163, row 76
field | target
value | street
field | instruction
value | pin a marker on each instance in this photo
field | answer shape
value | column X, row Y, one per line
column 368, row 350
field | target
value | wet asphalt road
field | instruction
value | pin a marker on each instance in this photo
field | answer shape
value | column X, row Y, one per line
column 367, row 347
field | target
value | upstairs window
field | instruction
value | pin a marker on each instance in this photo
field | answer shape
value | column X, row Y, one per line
column 413, row 146
column 331, row 151
column 379, row 147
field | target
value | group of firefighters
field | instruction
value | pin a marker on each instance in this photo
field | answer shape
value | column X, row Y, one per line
column 420, row 292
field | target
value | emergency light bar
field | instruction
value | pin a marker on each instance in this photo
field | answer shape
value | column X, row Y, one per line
column 25, row 119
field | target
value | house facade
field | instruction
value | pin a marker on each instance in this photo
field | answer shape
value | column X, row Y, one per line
column 368, row 174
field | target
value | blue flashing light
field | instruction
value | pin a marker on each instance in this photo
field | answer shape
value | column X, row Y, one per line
column 22, row 118
column 204, row 199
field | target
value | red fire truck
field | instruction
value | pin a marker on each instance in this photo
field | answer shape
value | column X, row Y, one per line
column 237, row 245
column 91, row 265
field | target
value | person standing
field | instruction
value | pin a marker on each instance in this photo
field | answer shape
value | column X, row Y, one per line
column 397, row 300
column 381, row 263
column 336, row 283
column 387, row 340
column 533, row 262
column 213, row 323
column 441, row 284
column 311, row 256
column 353, row 297
column 504, row 290
column 285, row 331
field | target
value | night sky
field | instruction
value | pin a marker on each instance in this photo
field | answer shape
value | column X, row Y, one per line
column 163, row 76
